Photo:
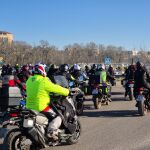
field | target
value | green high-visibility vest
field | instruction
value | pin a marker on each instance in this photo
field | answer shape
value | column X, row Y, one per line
column 102, row 75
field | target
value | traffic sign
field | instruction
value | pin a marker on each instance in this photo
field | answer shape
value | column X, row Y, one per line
column 107, row 60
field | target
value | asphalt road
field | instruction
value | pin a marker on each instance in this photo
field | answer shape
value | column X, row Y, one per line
column 113, row 127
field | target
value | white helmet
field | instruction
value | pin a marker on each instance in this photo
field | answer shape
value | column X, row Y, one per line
column 103, row 66
column 76, row 67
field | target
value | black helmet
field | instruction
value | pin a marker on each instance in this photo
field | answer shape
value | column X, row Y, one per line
column 87, row 67
column 64, row 68
column 94, row 66
column 139, row 64
column 53, row 66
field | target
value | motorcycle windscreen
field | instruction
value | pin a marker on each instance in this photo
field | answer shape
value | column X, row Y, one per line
column 61, row 80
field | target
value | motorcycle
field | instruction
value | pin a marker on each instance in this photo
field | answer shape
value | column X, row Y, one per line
column 100, row 95
column 78, row 97
column 31, row 131
column 143, row 101
column 129, row 89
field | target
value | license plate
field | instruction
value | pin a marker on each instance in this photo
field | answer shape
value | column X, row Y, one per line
column 131, row 85
column 140, row 98
column 95, row 91
column 27, row 123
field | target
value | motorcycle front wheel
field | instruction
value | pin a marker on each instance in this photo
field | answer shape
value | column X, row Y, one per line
column 76, row 135
column 80, row 107
column 18, row 141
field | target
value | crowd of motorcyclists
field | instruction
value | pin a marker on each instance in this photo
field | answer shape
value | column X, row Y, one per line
column 137, row 73
column 40, row 82
column 140, row 76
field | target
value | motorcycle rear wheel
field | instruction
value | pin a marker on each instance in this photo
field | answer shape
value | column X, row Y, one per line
column 107, row 103
column 97, row 103
column 131, row 94
column 141, row 108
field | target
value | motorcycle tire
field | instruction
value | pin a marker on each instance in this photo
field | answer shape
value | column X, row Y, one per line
column 80, row 107
column 131, row 94
column 11, row 142
column 107, row 103
column 76, row 135
column 97, row 103
column 141, row 108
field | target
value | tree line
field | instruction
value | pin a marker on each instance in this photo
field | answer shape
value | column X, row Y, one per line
column 23, row 53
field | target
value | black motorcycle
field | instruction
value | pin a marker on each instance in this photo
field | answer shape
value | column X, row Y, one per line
column 100, row 96
column 129, row 89
column 143, row 100
column 76, row 93
column 78, row 97
column 31, row 126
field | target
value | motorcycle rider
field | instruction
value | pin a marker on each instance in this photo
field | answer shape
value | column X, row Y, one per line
column 24, row 74
column 111, row 75
column 64, row 71
column 93, row 69
column 4, row 70
column 53, row 70
column 77, row 73
column 7, row 70
column 87, row 70
column 141, row 78
column 16, row 67
column 104, row 75
column 38, row 88
column 80, row 77
column 111, row 70
column 129, row 75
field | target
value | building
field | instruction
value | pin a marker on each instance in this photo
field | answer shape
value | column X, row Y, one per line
column 6, row 37
column 133, row 53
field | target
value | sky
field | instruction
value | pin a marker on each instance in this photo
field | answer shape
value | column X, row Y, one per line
column 62, row 22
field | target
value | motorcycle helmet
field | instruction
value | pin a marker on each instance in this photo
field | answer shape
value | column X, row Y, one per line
column 40, row 69
column 139, row 64
column 94, row 66
column 77, row 67
column 64, row 68
column 25, row 68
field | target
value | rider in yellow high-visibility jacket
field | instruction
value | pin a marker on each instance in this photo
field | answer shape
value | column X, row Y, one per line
column 38, row 88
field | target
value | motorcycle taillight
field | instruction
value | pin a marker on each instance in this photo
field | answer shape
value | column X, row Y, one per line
column 11, row 83
column 131, row 82
column 140, row 90
column 13, row 114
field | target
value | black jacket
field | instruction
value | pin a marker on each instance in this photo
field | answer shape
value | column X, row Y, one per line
column 142, row 78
